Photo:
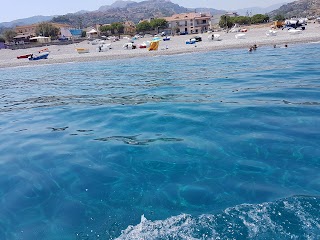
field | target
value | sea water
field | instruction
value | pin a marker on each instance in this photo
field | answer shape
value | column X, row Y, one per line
column 216, row 145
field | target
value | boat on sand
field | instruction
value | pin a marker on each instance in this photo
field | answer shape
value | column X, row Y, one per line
column 82, row 50
column 43, row 55
column 240, row 36
column 24, row 56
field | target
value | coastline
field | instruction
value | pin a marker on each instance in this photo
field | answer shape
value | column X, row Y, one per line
column 67, row 53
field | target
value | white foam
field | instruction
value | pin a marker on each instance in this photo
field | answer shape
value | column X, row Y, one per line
column 250, row 221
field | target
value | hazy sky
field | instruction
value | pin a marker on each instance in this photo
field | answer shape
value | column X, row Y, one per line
column 11, row 10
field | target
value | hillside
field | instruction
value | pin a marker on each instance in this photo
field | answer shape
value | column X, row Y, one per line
column 300, row 8
column 258, row 10
column 119, row 11
column 212, row 11
column 26, row 21
column 117, row 4
column 134, row 11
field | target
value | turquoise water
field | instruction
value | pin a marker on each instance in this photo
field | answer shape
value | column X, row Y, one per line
column 218, row 145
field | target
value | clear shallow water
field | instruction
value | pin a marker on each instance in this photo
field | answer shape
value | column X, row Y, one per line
column 220, row 145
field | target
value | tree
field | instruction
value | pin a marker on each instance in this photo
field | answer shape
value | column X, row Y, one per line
column 143, row 26
column 259, row 18
column 158, row 23
column 61, row 19
column 225, row 21
column 2, row 39
column 9, row 35
column 241, row 20
column 279, row 17
column 117, row 27
column 47, row 30
column 106, row 29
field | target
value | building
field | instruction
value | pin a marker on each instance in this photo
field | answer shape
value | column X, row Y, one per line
column 91, row 32
column 215, row 19
column 129, row 28
column 231, row 14
column 40, row 39
column 189, row 23
column 30, row 30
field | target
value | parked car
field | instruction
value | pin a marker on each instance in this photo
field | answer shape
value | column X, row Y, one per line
column 184, row 33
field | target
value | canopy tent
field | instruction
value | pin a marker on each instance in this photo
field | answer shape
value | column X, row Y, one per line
column 92, row 33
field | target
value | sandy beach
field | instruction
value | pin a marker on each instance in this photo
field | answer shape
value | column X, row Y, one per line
column 177, row 45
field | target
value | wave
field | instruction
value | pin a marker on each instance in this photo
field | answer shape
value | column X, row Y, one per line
column 296, row 217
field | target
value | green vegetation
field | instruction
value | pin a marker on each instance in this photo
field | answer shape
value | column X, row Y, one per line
column 2, row 39
column 279, row 17
column 143, row 26
column 117, row 27
column 158, row 23
column 114, row 28
column 154, row 24
column 9, row 35
column 228, row 22
column 259, row 18
column 61, row 19
column 47, row 30
column 106, row 29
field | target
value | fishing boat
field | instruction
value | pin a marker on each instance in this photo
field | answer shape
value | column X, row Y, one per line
column 24, row 56
column 82, row 50
column 145, row 44
column 294, row 31
column 271, row 33
column 104, row 47
column 44, row 50
column 43, row 55
column 191, row 41
column 214, row 37
column 240, row 36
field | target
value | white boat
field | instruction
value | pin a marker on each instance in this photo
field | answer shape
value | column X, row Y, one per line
column 104, row 47
column 214, row 37
column 129, row 46
column 240, row 36
column 82, row 50
column 145, row 44
column 271, row 33
column 97, row 41
column 294, row 31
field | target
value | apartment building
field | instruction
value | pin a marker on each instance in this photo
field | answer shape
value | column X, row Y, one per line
column 189, row 22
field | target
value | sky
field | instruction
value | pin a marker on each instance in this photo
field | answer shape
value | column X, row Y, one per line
column 22, row 9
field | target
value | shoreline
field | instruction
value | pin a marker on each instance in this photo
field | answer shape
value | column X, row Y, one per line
column 67, row 53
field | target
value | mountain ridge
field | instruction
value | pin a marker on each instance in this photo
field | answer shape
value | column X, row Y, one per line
column 300, row 8
column 122, row 10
